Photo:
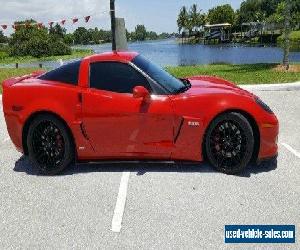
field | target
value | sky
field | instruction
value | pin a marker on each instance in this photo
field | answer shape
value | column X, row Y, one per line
column 157, row 15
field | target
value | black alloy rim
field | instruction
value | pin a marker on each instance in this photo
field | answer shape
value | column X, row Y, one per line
column 48, row 145
column 228, row 144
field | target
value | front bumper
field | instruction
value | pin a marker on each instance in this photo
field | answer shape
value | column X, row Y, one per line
column 269, row 131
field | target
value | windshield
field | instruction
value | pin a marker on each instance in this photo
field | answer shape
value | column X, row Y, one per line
column 162, row 77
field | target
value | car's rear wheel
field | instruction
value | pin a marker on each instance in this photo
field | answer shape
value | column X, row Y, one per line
column 229, row 143
column 50, row 145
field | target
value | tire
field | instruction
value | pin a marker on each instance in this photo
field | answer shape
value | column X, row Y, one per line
column 50, row 145
column 229, row 143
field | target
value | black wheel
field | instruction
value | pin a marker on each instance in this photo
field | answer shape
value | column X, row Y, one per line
column 229, row 143
column 50, row 146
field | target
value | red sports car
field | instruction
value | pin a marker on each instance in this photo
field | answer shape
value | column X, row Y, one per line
column 120, row 106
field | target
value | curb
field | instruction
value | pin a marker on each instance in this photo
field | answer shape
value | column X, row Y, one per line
column 273, row 87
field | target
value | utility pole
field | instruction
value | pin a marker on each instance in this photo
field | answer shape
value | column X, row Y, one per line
column 287, row 30
column 113, row 24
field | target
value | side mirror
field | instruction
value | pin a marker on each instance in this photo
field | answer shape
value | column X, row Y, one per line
column 140, row 92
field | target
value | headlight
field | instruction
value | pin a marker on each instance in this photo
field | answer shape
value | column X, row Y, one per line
column 263, row 105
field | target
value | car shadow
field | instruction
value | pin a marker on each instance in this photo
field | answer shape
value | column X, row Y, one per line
column 141, row 168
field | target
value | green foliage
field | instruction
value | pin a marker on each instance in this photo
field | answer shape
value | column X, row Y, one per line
column 58, row 47
column 268, row 11
column 3, row 39
column 294, row 37
column 250, row 11
column 278, row 16
column 151, row 35
column 35, row 47
column 221, row 14
column 57, row 31
column 182, row 20
column 140, row 33
column 69, row 39
column 37, row 42
column 89, row 36
column 3, row 55
column 82, row 36
column 165, row 35
column 190, row 20
column 271, row 11
column 105, row 36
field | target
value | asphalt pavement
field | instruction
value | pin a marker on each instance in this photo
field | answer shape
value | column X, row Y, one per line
column 150, row 206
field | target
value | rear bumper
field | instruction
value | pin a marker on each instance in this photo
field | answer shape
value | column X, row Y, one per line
column 14, row 128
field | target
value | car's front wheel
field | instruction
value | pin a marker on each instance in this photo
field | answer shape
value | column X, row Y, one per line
column 229, row 143
column 50, row 146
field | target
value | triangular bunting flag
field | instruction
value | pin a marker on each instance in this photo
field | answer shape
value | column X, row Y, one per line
column 15, row 26
column 87, row 18
column 40, row 25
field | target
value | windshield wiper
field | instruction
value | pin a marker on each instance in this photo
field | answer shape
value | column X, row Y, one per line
column 186, row 81
column 187, row 86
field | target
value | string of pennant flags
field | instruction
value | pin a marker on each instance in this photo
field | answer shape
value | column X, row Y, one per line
column 50, row 24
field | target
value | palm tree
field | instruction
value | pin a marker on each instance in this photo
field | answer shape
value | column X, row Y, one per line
column 183, row 19
column 287, row 31
column 194, row 16
column 190, row 20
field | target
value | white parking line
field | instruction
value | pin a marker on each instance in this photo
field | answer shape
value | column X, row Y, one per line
column 289, row 148
column 116, row 223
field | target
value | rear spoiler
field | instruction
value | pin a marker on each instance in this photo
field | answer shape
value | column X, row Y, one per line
column 14, row 80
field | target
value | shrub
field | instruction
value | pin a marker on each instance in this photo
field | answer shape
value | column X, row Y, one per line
column 32, row 41
column 58, row 47
column 37, row 48
column 294, row 40
column 294, row 37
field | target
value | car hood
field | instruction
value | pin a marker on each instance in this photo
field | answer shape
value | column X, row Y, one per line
column 209, row 84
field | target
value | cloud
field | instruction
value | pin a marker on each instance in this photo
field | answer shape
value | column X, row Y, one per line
column 56, row 10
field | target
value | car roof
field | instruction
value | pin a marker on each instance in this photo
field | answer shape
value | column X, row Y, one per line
column 116, row 56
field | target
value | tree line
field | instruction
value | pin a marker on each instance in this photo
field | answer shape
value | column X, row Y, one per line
column 96, row 36
column 269, row 11
column 32, row 40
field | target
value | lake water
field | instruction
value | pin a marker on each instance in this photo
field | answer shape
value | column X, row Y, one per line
column 170, row 52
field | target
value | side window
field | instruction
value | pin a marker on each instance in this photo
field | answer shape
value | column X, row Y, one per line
column 116, row 77
column 67, row 73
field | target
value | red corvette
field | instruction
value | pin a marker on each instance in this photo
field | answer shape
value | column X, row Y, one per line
column 120, row 106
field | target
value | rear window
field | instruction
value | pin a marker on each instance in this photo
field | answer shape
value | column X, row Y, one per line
column 67, row 73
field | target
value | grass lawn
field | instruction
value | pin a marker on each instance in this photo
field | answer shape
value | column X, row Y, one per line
column 76, row 53
column 239, row 74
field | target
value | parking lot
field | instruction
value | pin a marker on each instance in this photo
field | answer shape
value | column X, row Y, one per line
column 167, row 206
